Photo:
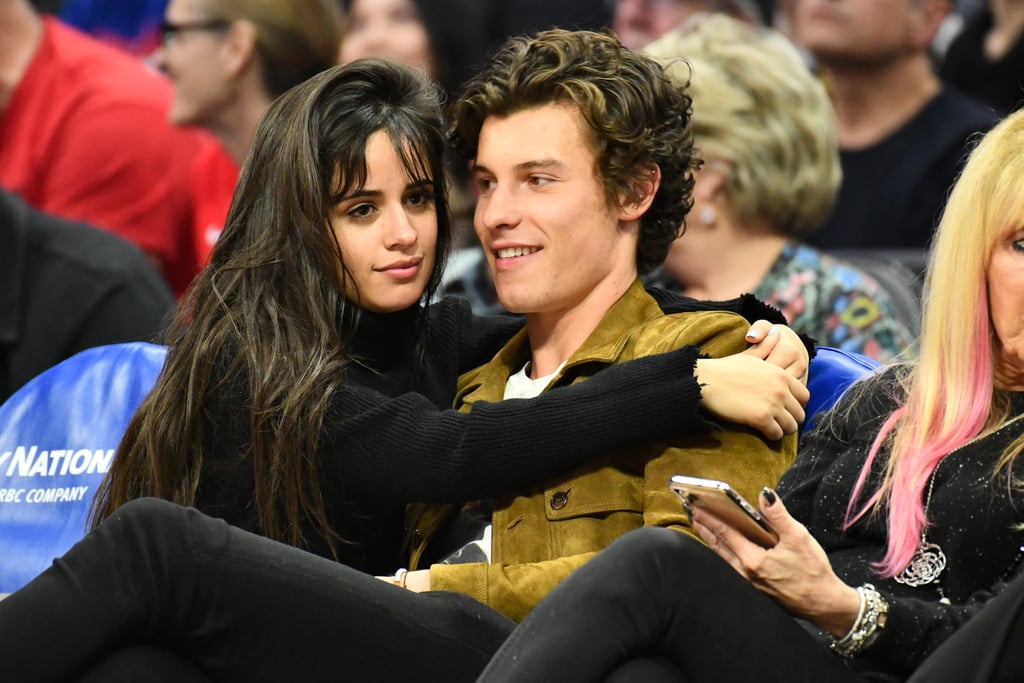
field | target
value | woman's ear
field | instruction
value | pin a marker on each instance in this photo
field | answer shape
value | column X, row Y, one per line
column 709, row 182
column 708, row 197
column 645, row 185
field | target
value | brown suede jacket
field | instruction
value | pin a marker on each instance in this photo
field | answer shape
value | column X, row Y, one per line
column 549, row 530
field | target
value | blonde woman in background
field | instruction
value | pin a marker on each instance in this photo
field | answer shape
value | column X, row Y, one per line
column 766, row 130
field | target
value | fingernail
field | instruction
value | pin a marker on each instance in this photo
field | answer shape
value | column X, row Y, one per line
column 769, row 495
column 772, row 330
column 752, row 332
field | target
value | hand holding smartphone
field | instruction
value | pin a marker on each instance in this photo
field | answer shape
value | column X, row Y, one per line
column 720, row 499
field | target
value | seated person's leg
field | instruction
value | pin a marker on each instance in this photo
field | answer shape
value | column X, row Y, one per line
column 236, row 606
column 143, row 664
column 658, row 592
column 647, row 670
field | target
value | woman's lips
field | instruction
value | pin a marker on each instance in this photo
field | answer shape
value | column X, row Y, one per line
column 402, row 270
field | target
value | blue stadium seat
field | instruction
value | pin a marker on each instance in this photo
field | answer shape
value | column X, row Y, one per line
column 58, row 434
column 830, row 373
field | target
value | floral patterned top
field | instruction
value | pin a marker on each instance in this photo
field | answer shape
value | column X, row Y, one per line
column 834, row 302
column 831, row 300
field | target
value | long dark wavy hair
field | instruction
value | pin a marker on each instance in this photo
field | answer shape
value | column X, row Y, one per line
column 268, row 312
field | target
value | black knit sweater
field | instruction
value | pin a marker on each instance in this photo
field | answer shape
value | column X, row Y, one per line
column 391, row 438
column 974, row 518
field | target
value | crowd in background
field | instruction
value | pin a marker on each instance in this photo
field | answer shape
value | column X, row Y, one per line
column 828, row 135
column 159, row 101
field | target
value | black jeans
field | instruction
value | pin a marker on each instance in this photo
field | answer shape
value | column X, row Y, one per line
column 142, row 664
column 233, row 606
column 658, row 596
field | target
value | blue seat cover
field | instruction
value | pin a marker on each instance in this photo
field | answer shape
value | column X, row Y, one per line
column 58, row 434
column 831, row 372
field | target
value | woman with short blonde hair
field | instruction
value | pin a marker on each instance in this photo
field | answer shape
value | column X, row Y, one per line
column 765, row 128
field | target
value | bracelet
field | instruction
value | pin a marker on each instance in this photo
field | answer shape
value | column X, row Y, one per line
column 400, row 577
column 871, row 618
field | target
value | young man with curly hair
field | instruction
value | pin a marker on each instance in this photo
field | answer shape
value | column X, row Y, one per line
column 583, row 161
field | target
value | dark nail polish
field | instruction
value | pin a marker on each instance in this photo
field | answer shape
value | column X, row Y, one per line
column 769, row 495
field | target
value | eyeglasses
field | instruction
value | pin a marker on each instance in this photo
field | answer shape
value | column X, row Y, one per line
column 169, row 30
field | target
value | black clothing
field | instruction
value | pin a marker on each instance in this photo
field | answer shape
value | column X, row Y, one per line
column 383, row 447
column 235, row 606
column 143, row 663
column 999, row 84
column 636, row 601
column 987, row 649
column 655, row 593
column 66, row 287
column 972, row 516
column 893, row 192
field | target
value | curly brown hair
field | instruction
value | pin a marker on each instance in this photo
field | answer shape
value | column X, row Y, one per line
column 637, row 116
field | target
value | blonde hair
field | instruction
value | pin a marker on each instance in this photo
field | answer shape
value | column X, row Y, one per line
column 758, row 108
column 950, row 398
column 296, row 39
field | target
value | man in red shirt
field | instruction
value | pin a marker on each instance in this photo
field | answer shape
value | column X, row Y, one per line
column 84, row 135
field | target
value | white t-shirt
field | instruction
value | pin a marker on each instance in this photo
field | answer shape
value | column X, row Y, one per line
column 519, row 385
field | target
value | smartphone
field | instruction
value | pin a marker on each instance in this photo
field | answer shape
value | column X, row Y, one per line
column 721, row 499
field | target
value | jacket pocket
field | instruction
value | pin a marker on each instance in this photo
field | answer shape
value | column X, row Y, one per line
column 586, row 514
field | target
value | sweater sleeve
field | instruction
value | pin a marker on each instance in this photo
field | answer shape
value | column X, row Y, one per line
column 846, row 430
column 405, row 449
column 747, row 305
column 737, row 454
column 482, row 336
column 915, row 628
column 515, row 589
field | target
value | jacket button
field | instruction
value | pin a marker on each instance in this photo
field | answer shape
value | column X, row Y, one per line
column 559, row 500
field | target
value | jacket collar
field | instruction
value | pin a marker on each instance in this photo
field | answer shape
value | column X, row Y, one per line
column 604, row 345
column 13, row 263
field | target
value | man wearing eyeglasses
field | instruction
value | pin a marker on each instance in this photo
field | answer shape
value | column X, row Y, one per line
column 228, row 61
column 84, row 135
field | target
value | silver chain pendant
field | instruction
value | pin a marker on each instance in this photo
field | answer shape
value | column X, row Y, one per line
column 925, row 566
